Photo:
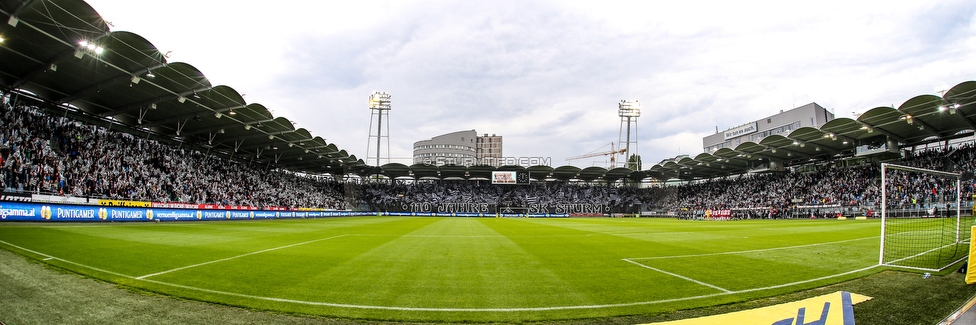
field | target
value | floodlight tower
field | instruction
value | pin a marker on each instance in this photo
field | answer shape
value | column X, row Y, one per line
column 629, row 111
column 379, row 105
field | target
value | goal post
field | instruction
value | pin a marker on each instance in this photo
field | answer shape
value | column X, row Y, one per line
column 921, row 218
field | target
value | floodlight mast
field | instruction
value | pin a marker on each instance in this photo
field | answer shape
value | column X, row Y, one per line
column 379, row 104
column 628, row 109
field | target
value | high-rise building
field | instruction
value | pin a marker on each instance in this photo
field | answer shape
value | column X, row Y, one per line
column 490, row 150
column 464, row 148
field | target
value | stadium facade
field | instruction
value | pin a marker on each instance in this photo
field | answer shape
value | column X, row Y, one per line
column 809, row 115
column 462, row 148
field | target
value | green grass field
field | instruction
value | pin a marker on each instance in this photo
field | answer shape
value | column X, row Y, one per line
column 461, row 269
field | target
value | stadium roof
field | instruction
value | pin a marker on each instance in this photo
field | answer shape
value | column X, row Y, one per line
column 920, row 120
column 63, row 56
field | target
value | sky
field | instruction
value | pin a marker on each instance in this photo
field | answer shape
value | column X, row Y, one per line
column 548, row 75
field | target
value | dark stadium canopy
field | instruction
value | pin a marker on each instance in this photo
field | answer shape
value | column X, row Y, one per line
column 539, row 172
column 920, row 120
column 63, row 57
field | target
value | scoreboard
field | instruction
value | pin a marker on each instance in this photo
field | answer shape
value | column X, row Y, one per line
column 509, row 177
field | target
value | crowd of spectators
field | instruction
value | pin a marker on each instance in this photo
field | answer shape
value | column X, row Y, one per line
column 45, row 154
column 386, row 196
column 916, row 190
column 817, row 190
column 833, row 188
column 778, row 192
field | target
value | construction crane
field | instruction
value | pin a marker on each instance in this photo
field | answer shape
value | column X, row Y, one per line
column 612, row 153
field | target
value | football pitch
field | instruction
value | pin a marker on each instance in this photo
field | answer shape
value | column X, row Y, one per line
column 460, row 269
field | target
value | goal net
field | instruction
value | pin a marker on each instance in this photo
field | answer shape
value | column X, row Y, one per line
column 921, row 225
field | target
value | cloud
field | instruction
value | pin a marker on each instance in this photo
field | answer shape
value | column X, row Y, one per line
column 547, row 75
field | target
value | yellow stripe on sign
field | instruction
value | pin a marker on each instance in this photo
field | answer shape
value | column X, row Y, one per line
column 832, row 309
column 970, row 269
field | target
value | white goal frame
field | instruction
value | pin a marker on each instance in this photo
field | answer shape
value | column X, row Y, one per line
column 884, row 209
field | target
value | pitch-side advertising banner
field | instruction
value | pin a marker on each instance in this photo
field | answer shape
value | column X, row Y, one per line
column 832, row 309
column 17, row 211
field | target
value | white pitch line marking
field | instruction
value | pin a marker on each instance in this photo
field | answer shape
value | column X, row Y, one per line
column 752, row 250
column 434, row 309
column 27, row 250
column 680, row 277
column 235, row 257
column 49, row 257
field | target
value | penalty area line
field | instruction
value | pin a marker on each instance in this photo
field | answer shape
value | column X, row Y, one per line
column 235, row 257
column 440, row 309
column 680, row 276
column 751, row 250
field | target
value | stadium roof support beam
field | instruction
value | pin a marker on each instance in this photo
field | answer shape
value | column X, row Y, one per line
column 95, row 88
column 835, row 136
column 759, row 155
column 313, row 148
column 927, row 128
column 132, row 107
column 882, row 131
column 286, row 142
column 40, row 68
column 961, row 116
column 135, row 106
column 260, row 133
column 211, row 129
column 784, row 149
column 176, row 118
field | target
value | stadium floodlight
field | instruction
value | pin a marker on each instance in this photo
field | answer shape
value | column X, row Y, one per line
column 629, row 108
column 629, row 111
column 380, row 101
column 379, row 105
column 90, row 46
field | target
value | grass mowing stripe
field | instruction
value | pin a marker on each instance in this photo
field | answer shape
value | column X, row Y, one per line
column 49, row 257
column 46, row 256
column 432, row 264
column 426, row 309
column 680, row 276
column 553, row 308
column 750, row 251
column 395, row 308
column 808, row 281
column 238, row 256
